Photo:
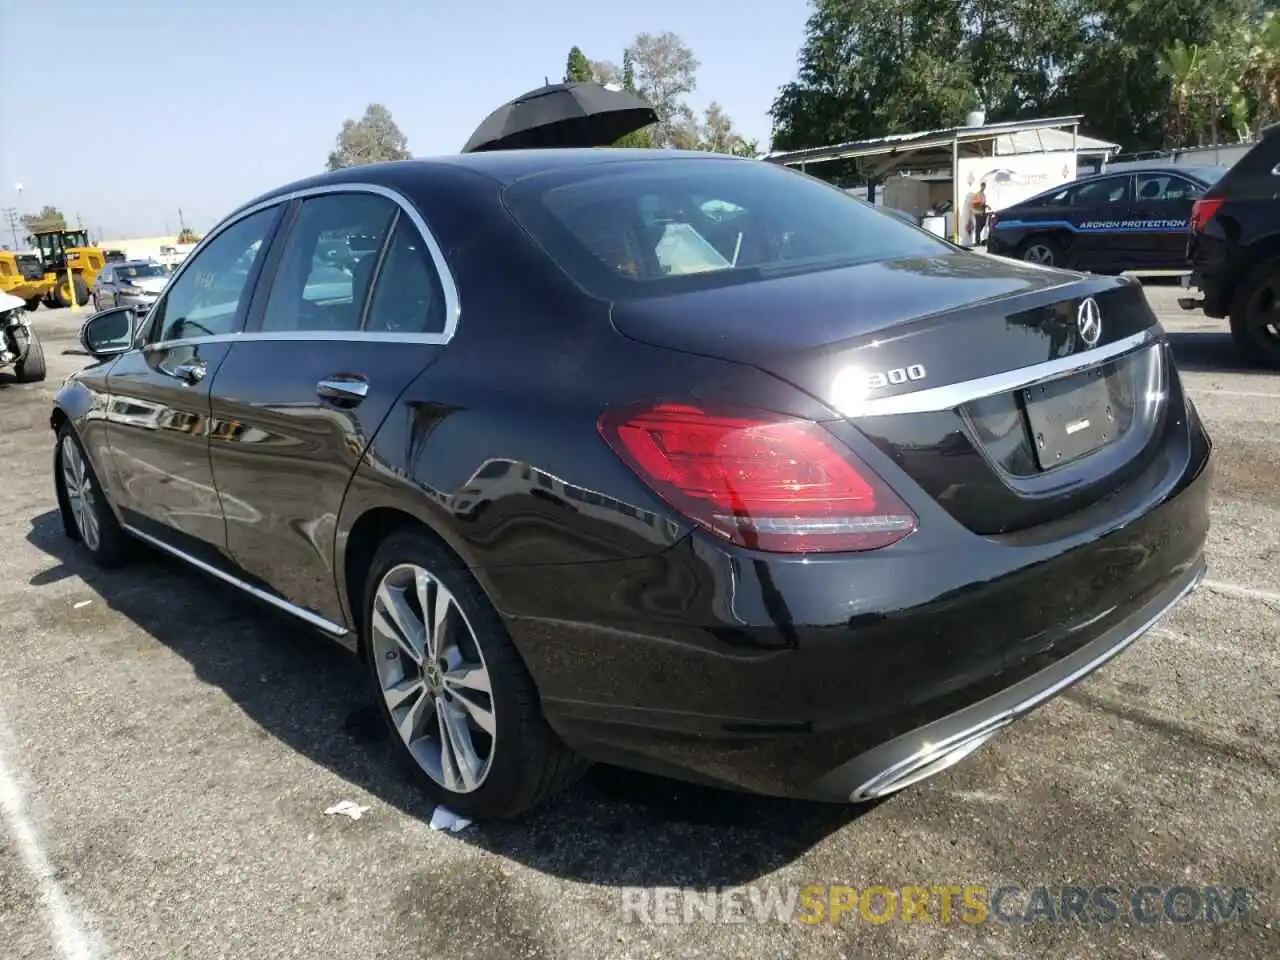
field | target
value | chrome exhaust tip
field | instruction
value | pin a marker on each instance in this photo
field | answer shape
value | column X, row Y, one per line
column 930, row 759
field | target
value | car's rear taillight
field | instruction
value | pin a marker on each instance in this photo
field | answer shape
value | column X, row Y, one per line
column 762, row 481
column 1203, row 210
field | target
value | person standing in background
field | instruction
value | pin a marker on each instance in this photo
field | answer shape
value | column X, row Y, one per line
column 980, row 211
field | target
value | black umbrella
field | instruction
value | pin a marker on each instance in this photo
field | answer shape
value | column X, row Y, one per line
column 581, row 114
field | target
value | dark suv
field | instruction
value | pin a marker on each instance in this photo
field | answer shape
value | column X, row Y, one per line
column 1234, row 250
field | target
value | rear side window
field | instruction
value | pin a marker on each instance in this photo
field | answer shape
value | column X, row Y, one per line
column 637, row 228
column 327, row 265
column 408, row 297
column 1164, row 186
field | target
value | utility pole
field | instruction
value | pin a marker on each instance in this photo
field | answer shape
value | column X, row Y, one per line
column 11, row 215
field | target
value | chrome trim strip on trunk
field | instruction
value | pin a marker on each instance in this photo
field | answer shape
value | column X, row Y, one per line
column 956, row 747
column 952, row 395
column 279, row 602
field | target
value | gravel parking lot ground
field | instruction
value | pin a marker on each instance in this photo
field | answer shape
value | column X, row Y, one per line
column 168, row 750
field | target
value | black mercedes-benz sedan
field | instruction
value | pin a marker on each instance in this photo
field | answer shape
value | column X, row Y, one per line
column 688, row 463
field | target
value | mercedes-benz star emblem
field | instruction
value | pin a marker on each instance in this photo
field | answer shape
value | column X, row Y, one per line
column 1089, row 322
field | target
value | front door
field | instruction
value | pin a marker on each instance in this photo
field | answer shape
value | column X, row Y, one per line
column 1162, row 207
column 1098, row 211
column 158, row 406
column 356, row 310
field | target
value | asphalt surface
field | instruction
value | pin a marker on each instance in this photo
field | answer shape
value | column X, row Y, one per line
column 168, row 750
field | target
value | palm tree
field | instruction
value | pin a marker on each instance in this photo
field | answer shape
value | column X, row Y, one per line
column 1262, row 71
column 1180, row 64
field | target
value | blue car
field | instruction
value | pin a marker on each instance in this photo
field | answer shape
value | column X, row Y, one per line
column 1108, row 223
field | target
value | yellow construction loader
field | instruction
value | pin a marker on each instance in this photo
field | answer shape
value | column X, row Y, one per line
column 61, row 250
column 22, row 276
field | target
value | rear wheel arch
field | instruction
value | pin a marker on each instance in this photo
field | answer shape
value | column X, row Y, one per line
column 1240, row 267
column 358, row 547
column 1059, row 240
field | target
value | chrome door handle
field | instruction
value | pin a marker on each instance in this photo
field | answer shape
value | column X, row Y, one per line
column 343, row 389
column 193, row 371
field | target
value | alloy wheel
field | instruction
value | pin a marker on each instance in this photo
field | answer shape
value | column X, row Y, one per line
column 1264, row 310
column 1039, row 253
column 81, row 496
column 433, row 678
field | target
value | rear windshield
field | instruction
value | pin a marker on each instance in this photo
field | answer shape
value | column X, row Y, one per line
column 655, row 226
column 140, row 271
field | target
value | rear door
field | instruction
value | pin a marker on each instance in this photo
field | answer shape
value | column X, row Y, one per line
column 1161, row 211
column 360, row 302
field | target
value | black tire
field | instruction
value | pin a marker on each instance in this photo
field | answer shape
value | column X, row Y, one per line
column 113, row 546
column 51, row 301
column 97, row 306
column 31, row 369
column 1255, row 314
column 32, row 305
column 81, row 290
column 528, row 763
column 1034, row 249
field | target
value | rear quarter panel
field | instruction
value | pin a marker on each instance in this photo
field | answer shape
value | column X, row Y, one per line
column 495, row 446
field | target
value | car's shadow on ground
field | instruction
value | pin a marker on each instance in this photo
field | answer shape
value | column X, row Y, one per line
column 615, row 827
column 1209, row 351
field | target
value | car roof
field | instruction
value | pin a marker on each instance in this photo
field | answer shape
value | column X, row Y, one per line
column 502, row 166
column 135, row 263
column 1196, row 173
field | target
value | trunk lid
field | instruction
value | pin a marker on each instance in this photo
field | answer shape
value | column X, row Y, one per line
column 922, row 357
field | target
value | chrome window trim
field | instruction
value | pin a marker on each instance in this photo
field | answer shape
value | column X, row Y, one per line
column 453, row 307
column 952, row 395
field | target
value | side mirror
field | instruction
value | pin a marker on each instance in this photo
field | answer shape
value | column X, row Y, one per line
column 110, row 333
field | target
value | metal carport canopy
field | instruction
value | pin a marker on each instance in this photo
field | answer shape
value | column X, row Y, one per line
column 910, row 146
column 929, row 149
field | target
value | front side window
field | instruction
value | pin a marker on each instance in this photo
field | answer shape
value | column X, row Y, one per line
column 645, row 227
column 1100, row 192
column 207, row 299
column 327, row 266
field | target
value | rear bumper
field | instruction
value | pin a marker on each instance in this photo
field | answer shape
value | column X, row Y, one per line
column 850, row 676
column 909, row 758
column 1208, row 256
column 139, row 304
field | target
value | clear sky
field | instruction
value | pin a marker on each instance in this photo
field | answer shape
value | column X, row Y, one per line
column 141, row 107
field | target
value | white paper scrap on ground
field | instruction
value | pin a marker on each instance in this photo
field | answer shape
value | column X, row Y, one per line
column 445, row 819
column 82, row 603
column 347, row 808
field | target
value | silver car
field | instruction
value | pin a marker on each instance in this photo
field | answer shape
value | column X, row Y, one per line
column 133, row 283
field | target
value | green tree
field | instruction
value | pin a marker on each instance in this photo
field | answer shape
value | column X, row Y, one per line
column 188, row 236
column 1114, row 81
column 874, row 67
column 374, row 138
column 664, row 70
column 716, row 134
column 49, row 218
column 641, row 139
column 1262, row 71
column 578, row 66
